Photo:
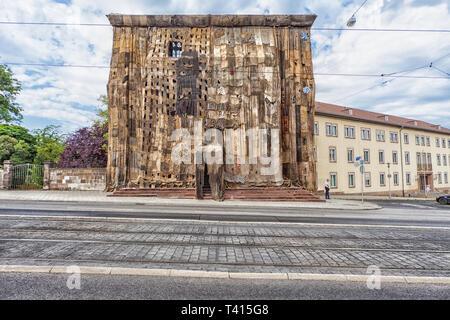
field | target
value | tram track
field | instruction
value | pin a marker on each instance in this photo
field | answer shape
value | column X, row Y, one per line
column 173, row 263
column 210, row 244
column 236, row 245
column 235, row 241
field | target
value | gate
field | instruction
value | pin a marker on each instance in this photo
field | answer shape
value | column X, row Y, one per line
column 27, row 177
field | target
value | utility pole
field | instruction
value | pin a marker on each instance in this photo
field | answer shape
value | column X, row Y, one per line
column 360, row 163
column 389, row 177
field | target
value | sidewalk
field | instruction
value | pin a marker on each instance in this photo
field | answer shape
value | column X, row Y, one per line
column 382, row 198
column 98, row 196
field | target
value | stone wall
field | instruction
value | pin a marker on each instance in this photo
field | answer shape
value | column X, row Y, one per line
column 76, row 179
column 1, row 178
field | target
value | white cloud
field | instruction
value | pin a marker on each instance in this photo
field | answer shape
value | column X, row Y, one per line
column 69, row 95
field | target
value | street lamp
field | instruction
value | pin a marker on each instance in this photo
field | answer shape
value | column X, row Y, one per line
column 351, row 22
column 389, row 177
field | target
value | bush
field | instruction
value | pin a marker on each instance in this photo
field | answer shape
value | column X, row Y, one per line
column 85, row 149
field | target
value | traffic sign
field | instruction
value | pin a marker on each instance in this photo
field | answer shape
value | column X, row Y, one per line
column 358, row 158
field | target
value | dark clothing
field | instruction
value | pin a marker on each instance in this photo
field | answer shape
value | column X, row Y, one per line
column 327, row 193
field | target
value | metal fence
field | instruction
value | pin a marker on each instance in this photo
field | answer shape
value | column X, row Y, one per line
column 27, row 177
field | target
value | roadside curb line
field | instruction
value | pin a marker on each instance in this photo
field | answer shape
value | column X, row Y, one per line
column 218, row 274
column 353, row 205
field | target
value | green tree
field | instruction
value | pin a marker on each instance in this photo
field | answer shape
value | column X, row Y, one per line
column 10, row 87
column 23, row 153
column 24, row 148
column 102, row 118
column 7, row 144
column 102, row 111
column 50, row 144
column 17, row 132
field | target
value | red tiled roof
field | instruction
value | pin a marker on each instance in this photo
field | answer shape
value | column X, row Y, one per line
column 363, row 115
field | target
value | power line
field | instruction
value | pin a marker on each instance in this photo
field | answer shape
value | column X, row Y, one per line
column 394, row 73
column 54, row 65
column 61, row 24
column 440, row 70
column 226, row 70
column 313, row 28
column 360, row 7
column 382, row 30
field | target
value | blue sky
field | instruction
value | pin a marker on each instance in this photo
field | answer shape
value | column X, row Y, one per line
column 68, row 96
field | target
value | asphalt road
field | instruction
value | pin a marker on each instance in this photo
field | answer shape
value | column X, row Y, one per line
column 403, row 238
column 98, row 287
column 421, row 213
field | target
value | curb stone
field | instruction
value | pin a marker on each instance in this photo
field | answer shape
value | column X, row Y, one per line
column 221, row 275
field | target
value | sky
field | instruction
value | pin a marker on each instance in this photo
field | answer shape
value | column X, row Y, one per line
column 68, row 96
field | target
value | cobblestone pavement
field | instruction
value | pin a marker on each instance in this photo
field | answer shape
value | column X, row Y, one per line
column 225, row 246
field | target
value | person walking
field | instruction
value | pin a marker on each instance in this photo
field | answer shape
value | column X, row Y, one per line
column 327, row 189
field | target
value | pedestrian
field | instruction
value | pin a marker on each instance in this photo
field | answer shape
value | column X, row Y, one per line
column 427, row 190
column 327, row 189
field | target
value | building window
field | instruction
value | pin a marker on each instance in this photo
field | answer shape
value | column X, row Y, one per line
column 439, row 178
column 443, row 143
column 428, row 141
column 408, row 178
column 418, row 158
column 316, row 128
column 438, row 142
column 444, row 160
column 395, row 179
column 349, row 132
column 394, row 157
column 366, row 156
column 367, row 180
column 407, row 158
column 333, row 180
column 381, row 156
column 315, row 153
column 175, row 49
column 380, row 135
column 331, row 129
column 351, row 180
column 350, row 155
column 382, row 179
column 445, row 178
column 332, row 153
column 393, row 136
column 448, row 143
column 438, row 158
column 417, row 140
column 406, row 138
column 365, row 134
column 422, row 140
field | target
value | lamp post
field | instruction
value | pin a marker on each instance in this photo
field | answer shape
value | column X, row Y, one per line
column 389, row 178
column 360, row 163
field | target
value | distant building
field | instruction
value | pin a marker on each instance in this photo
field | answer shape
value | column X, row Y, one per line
column 418, row 153
column 229, row 73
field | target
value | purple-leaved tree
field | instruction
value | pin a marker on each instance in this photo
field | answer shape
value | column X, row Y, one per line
column 85, row 149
